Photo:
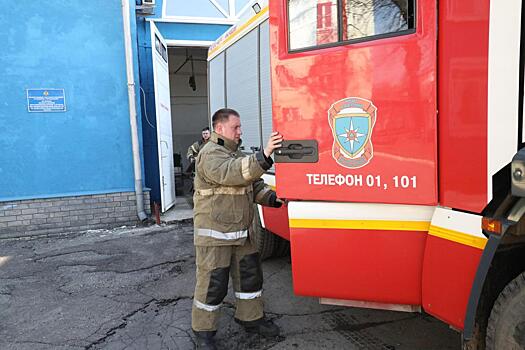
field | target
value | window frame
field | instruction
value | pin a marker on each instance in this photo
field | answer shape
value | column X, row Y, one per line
column 412, row 19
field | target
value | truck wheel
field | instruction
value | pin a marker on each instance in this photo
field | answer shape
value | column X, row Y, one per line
column 478, row 339
column 282, row 247
column 263, row 240
column 506, row 327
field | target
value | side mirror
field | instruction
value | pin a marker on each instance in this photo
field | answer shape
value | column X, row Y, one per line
column 518, row 174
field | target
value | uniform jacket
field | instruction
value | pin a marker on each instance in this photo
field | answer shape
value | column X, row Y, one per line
column 227, row 183
column 194, row 149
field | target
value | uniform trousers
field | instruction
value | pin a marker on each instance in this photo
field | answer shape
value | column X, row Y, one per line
column 214, row 267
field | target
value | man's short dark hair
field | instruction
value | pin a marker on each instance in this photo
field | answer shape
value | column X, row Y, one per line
column 206, row 129
column 223, row 115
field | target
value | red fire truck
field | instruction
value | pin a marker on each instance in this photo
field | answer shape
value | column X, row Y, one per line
column 403, row 165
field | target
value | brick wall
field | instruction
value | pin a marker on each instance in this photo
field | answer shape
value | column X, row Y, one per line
column 67, row 214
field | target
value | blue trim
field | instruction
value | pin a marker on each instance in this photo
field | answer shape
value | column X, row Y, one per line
column 191, row 31
column 147, row 107
column 70, row 194
column 194, row 8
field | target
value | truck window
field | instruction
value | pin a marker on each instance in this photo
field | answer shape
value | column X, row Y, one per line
column 316, row 23
column 312, row 23
column 367, row 18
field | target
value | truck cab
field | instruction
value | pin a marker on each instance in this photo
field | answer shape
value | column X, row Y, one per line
column 401, row 119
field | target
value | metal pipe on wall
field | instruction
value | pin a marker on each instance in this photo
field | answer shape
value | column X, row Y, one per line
column 137, row 166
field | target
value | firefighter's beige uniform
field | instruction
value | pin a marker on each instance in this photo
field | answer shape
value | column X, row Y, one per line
column 194, row 149
column 227, row 183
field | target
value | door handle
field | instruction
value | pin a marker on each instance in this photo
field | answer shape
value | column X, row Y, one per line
column 297, row 151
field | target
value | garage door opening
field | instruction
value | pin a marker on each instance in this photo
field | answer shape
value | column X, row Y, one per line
column 189, row 115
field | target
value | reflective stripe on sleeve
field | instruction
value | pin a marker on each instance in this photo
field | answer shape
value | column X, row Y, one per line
column 229, row 236
column 246, row 296
column 225, row 190
column 245, row 166
column 206, row 307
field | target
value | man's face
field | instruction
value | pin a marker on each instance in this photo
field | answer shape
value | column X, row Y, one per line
column 231, row 128
column 206, row 135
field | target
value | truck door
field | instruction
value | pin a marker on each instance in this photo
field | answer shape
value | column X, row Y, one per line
column 159, row 52
column 359, row 79
column 354, row 95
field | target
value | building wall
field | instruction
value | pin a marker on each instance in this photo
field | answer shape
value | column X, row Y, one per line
column 87, row 149
column 79, row 154
column 68, row 214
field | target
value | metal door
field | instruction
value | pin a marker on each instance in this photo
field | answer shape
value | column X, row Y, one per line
column 159, row 52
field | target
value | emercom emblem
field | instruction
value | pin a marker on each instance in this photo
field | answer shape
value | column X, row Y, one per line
column 352, row 121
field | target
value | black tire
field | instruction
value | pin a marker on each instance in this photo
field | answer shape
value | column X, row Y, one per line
column 506, row 326
column 264, row 241
column 282, row 247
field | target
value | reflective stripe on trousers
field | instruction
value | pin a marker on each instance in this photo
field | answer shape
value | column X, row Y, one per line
column 206, row 307
column 247, row 296
column 229, row 236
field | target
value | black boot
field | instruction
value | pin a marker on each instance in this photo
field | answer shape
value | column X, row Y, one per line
column 262, row 326
column 205, row 340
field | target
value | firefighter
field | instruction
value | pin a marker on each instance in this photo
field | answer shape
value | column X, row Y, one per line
column 194, row 149
column 227, row 183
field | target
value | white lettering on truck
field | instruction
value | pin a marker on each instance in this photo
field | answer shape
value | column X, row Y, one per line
column 350, row 180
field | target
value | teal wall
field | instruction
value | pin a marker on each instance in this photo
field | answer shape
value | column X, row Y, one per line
column 78, row 47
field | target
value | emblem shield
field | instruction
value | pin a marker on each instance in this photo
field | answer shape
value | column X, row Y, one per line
column 352, row 121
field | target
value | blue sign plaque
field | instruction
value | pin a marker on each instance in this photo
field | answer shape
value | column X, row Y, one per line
column 46, row 100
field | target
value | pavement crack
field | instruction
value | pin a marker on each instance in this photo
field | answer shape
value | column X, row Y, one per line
column 44, row 343
column 172, row 301
column 112, row 331
column 76, row 265
column 36, row 274
column 142, row 268
column 66, row 253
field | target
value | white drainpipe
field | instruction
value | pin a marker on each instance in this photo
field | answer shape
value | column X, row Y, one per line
column 137, row 167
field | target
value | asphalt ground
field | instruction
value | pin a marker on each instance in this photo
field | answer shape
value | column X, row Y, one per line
column 131, row 288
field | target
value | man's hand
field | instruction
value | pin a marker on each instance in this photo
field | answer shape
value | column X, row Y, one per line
column 273, row 143
column 281, row 200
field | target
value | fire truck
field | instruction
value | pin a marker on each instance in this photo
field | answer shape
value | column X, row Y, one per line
column 403, row 164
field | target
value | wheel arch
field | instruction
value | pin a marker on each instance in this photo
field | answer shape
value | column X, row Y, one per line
column 501, row 262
